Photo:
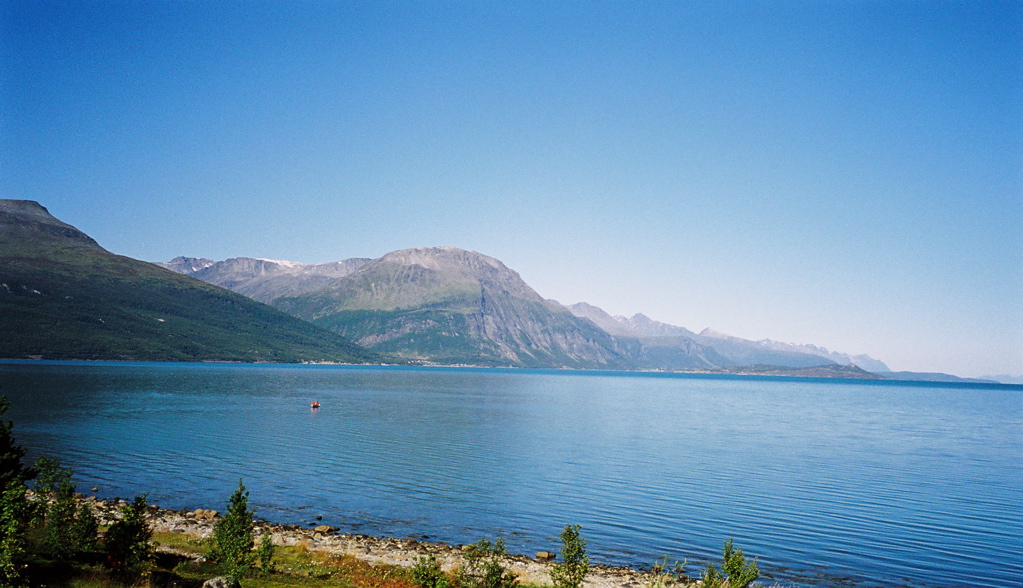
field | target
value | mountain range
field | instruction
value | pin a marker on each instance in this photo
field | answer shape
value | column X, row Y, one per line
column 451, row 306
column 64, row 296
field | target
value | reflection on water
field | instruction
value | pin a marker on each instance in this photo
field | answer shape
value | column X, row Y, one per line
column 828, row 482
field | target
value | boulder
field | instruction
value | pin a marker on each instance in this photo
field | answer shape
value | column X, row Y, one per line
column 545, row 556
column 222, row 582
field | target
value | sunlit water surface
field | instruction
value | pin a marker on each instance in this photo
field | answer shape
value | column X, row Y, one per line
column 829, row 483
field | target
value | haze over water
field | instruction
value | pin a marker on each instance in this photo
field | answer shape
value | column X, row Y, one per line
column 826, row 481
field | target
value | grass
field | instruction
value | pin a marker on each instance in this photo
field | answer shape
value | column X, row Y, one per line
column 295, row 566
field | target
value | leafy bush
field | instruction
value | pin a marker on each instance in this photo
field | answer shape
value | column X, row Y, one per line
column 481, row 566
column 14, row 508
column 13, row 516
column 576, row 563
column 233, row 538
column 69, row 528
column 127, row 540
column 737, row 572
column 426, row 573
column 48, row 472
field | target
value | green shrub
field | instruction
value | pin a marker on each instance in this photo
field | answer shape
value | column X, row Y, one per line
column 127, row 540
column 14, row 507
column 738, row 573
column 13, row 525
column 426, row 573
column 60, row 514
column 663, row 575
column 49, row 478
column 482, row 568
column 233, row 538
column 84, row 532
column 69, row 528
column 265, row 553
column 575, row 562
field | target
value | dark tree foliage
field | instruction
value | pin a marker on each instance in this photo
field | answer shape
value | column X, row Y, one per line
column 14, row 511
column 127, row 541
column 12, row 471
column 233, row 537
column 69, row 528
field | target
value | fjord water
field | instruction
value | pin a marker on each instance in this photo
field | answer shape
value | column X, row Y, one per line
column 828, row 482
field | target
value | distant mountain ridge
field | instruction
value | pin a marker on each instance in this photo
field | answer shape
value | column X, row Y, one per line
column 735, row 351
column 450, row 305
column 264, row 279
column 62, row 296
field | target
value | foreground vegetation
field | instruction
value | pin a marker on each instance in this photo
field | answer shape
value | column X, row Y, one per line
column 50, row 537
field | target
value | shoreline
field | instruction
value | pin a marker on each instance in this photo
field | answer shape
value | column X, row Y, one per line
column 374, row 550
column 835, row 373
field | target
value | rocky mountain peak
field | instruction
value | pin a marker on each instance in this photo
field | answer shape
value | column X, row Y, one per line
column 28, row 222
column 444, row 258
column 452, row 265
column 186, row 265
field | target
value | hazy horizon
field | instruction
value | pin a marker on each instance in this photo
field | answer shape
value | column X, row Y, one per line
column 846, row 174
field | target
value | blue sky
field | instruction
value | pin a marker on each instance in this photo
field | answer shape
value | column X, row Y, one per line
column 848, row 174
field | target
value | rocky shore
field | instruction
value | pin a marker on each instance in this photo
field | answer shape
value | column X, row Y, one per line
column 376, row 550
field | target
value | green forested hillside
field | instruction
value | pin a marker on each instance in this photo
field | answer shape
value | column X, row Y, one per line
column 62, row 296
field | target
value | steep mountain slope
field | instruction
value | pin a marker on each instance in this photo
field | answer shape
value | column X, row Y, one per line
column 449, row 305
column 64, row 296
column 265, row 279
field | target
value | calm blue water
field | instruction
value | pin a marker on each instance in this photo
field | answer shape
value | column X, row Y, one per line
column 829, row 483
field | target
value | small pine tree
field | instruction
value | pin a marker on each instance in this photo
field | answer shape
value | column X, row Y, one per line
column 575, row 563
column 740, row 574
column 127, row 541
column 233, row 535
column 265, row 553
column 737, row 572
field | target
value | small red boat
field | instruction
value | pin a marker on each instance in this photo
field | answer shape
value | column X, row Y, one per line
column 314, row 404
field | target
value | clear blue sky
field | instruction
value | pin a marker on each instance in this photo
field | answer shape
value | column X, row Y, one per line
column 848, row 174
